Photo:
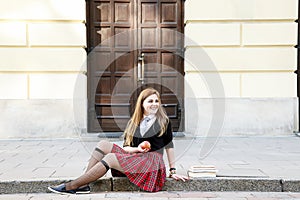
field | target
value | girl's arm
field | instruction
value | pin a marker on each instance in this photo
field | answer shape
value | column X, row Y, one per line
column 138, row 149
column 171, row 157
column 171, row 160
column 131, row 149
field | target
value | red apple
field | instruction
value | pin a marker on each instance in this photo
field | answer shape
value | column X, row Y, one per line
column 146, row 145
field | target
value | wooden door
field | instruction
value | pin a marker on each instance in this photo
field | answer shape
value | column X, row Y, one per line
column 149, row 28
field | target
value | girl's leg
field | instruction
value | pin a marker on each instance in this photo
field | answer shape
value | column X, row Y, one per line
column 96, row 172
column 102, row 148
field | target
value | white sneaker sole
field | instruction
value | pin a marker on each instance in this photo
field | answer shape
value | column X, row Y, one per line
column 82, row 192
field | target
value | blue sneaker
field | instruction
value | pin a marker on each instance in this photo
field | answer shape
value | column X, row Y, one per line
column 83, row 190
column 61, row 189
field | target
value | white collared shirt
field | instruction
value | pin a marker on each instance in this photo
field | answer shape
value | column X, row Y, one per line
column 146, row 123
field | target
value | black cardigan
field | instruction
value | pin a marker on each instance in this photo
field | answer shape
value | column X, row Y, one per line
column 157, row 143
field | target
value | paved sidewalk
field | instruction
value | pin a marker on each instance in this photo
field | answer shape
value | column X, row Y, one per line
column 234, row 157
column 160, row 196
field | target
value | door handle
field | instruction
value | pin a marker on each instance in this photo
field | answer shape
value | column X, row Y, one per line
column 141, row 69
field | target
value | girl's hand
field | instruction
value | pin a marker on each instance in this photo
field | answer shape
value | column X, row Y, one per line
column 179, row 177
column 141, row 150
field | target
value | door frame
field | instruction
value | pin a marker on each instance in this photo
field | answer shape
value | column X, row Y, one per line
column 89, row 48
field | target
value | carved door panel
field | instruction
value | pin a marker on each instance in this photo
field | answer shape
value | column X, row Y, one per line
column 160, row 24
column 113, row 72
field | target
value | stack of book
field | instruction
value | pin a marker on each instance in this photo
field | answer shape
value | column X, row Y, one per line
column 202, row 171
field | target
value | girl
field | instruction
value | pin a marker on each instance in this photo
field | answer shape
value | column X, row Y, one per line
column 143, row 165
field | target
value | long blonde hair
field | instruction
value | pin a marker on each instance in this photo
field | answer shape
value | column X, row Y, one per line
column 137, row 116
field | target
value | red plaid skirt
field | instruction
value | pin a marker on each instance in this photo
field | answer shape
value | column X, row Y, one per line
column 146, row 170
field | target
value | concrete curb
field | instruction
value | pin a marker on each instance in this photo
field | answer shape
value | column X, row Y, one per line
column 122, row 184
column 291, row 185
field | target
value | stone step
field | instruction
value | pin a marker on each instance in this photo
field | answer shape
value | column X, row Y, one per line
column 201, row 184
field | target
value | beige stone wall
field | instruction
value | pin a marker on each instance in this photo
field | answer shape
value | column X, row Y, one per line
column 250, row 44
column 42, row 60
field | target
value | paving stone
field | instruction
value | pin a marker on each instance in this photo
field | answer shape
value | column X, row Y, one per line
column 165, row 194
column 18, row 187
column 102, row 185
column 123, row 184
column 40, row 186
column 197, row 194
column 291, row 185
column 14, row 197
column 225, row 184
column 244, row 164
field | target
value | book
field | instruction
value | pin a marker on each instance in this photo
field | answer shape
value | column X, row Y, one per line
column 203, row 168
column 202, row 171
column 201, row 175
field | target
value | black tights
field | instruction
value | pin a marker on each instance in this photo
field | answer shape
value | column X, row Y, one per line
column 100, row 162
